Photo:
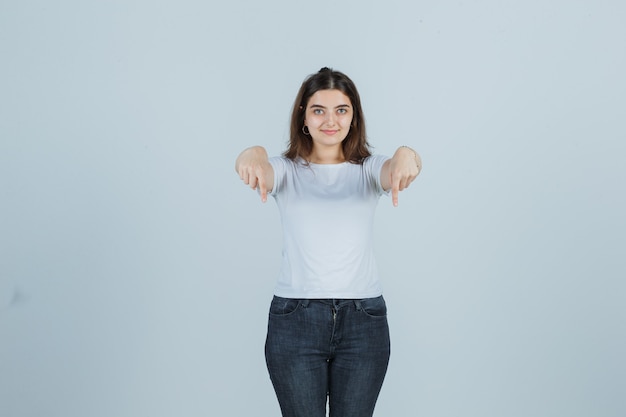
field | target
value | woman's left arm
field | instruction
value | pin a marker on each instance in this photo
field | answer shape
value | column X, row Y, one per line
column 399, row 172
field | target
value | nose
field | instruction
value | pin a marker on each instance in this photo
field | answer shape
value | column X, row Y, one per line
column 330, row 119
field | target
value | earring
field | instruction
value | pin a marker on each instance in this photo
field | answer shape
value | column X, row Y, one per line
column 306, row 132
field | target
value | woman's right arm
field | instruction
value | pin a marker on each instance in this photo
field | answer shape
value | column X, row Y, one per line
column 254, row 169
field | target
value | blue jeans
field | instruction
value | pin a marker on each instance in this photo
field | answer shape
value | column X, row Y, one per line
column 335, row 349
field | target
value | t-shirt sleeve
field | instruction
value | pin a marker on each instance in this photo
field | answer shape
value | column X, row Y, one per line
column 279, row 165
column 373, row 165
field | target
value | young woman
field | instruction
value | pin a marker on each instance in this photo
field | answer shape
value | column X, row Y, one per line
column 328, row 337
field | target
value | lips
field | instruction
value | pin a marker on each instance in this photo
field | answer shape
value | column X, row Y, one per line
column 329, row 132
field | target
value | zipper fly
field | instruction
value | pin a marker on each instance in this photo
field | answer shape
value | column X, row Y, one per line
column 333, row 336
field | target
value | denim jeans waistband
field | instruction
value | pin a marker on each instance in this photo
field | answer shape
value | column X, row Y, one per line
column 335, row 302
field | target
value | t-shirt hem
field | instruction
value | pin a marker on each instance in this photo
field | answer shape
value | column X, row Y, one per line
column 326, row 295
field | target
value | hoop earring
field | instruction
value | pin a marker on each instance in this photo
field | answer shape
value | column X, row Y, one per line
column 306, row 132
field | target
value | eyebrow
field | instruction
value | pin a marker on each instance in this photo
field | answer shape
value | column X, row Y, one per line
column 319, row 106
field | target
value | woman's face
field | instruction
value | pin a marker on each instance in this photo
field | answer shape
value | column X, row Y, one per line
column 328, row 117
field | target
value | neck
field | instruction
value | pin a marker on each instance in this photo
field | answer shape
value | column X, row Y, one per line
column 327, row 156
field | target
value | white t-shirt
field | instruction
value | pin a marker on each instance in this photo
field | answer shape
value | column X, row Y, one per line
column 327, row 213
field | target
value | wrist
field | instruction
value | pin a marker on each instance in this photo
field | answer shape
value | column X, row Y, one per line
column 416, row 158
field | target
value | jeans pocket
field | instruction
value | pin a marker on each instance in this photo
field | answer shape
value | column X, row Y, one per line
column 283, row 306
column 374, row 307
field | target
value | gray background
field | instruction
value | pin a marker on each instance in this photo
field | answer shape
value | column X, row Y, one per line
column 136, row 270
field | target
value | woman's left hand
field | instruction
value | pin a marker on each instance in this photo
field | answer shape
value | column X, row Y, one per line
column 400, row 171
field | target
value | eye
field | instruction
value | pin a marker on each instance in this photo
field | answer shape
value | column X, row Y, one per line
column 342, row 111
column 318, row 111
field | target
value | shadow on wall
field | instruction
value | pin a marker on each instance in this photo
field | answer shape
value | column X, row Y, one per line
column 13, row 297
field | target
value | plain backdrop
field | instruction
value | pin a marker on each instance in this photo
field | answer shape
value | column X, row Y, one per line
column 136, row 269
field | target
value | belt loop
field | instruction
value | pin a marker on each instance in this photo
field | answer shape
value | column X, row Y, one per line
column 357, row 304
column 304, row 303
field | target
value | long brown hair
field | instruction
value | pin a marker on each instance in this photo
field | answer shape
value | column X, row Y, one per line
column 355, row 146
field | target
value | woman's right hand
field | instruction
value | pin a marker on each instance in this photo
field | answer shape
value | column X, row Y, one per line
column 254, row 169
